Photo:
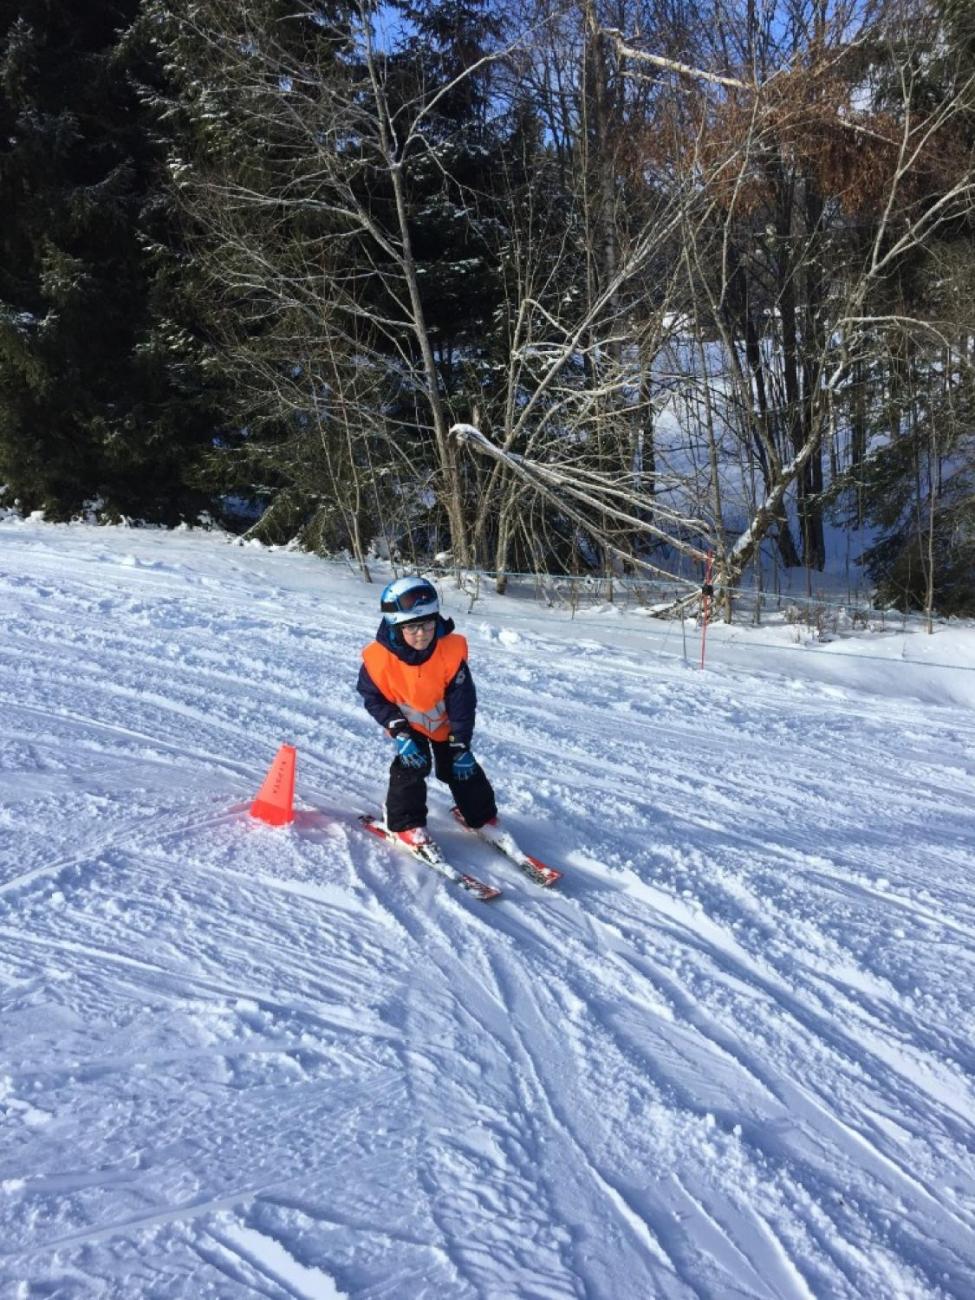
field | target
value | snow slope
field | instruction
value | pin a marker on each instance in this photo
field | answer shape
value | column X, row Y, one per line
column 731, row 1057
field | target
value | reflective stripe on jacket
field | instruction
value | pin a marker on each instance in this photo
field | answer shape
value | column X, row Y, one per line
column 418, row 690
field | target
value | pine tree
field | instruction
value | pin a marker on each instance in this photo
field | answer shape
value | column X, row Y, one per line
column 91, row 408
column 917, row 485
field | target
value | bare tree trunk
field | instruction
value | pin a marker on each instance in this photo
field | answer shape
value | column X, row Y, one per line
column 447, row 452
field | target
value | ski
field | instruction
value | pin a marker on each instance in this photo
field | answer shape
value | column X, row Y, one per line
column 504, row 842
column 431, row 855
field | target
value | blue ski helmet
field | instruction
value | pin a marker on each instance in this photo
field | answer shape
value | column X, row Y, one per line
column 409, row 599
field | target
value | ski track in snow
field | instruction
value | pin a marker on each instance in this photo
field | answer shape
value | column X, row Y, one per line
column 730, row 1055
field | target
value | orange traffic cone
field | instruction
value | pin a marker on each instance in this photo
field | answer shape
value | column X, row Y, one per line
column 275, row 799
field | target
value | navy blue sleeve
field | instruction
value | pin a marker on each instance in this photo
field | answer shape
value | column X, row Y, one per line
column 460, row 698
column 384, row 711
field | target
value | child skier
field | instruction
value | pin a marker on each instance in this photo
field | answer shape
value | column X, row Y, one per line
column 416, row 683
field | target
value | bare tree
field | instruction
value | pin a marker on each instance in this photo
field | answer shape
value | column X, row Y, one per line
column 304, row 199
column 812, row 190
column 699, row 239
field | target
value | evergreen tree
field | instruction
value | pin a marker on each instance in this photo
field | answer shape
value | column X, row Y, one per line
column 91, row 406
column 917, row 485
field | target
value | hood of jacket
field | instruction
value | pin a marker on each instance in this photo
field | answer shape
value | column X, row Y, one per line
column 390, row 638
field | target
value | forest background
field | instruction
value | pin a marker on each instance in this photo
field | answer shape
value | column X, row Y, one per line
column 555, row 287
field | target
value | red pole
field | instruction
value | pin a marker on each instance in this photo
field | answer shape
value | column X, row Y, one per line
column 706, row 593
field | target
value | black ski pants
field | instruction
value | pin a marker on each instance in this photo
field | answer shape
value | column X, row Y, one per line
column 406, row 798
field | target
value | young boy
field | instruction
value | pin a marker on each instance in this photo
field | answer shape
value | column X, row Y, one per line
column 416, row 683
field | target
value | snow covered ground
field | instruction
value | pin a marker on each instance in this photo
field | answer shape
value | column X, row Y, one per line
column 731, row 1056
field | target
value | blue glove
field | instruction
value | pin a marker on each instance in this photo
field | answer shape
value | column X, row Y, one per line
column 408, row 751
column 463, row 765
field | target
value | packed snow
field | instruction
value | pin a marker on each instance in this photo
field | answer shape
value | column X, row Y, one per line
column 729, row 1055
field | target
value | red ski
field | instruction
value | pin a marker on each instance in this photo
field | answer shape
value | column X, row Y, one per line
column 505, row 843
column 431, row 855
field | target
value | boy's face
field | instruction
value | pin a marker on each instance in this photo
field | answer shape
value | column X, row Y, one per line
column 419, row 635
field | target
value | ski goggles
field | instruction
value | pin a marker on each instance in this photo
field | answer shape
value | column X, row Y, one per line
column 422, row 594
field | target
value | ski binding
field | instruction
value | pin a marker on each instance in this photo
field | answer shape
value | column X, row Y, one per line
column 431, row 855
column 504, row 842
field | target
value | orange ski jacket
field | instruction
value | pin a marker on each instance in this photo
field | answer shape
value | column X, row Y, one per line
column 418, row 690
